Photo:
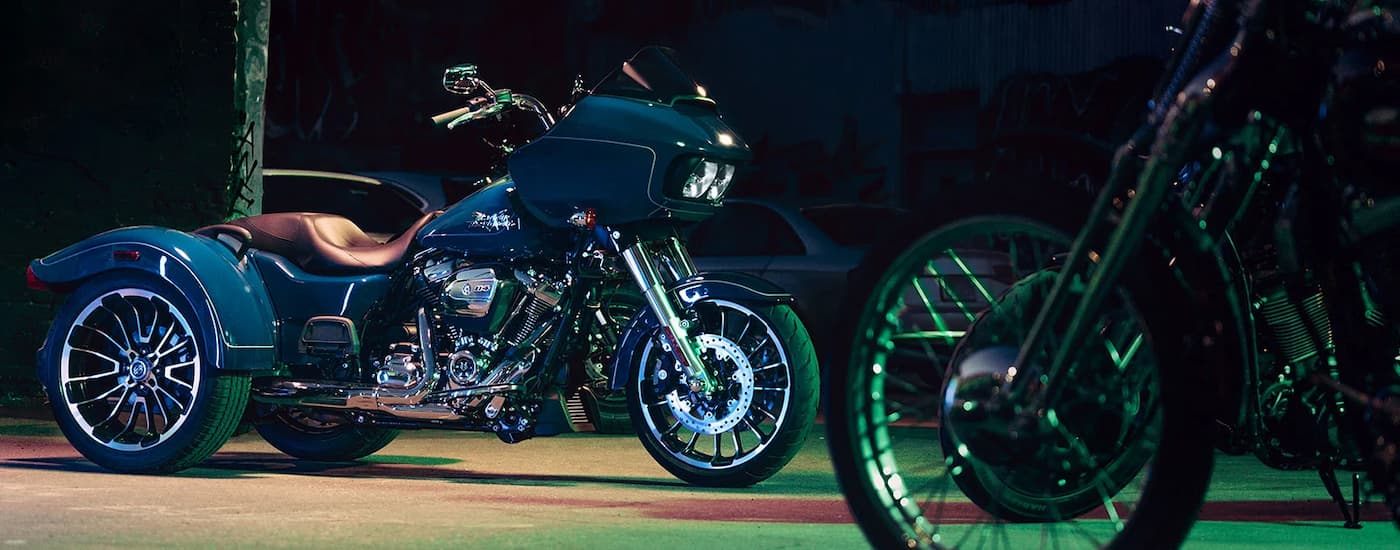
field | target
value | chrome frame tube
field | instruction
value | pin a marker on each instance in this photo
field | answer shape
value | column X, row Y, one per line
column 641, row 263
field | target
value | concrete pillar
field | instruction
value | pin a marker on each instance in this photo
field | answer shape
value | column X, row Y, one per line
column 249, row 84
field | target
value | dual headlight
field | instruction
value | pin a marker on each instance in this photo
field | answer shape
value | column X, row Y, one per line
column 708, row 180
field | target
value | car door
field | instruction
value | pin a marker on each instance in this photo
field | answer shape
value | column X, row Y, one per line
column 737, row 238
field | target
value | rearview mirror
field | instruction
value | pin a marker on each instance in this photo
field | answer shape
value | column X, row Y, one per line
column 462, row 80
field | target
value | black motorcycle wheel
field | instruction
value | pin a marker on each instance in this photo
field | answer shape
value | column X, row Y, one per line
column 752, row 427
column 126, row 368
column 325, row 436
column 910, row 485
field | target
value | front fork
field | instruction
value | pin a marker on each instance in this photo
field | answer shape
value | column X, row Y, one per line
column 654, row 266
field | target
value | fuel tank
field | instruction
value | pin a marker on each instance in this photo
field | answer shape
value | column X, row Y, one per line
column 491, row 224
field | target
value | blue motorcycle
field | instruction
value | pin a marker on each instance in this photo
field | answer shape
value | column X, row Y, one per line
column 486, row 317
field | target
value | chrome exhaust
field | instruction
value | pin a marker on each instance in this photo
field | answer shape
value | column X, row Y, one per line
column 408, row 402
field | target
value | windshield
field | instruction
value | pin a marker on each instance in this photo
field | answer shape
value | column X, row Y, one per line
column 652, row 75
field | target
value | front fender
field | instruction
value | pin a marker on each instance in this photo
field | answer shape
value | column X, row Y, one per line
column 727, row 285
column 732, row 286
column 1210, row 270
column 227, row 294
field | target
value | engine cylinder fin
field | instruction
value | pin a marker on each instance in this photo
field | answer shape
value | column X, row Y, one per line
column 1292, row 324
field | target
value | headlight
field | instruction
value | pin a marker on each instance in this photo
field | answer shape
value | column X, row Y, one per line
column 709, row 180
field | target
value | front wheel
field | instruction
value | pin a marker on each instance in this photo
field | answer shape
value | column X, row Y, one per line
column 757, row 420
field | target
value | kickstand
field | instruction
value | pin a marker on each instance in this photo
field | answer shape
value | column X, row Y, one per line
column 1351, row 513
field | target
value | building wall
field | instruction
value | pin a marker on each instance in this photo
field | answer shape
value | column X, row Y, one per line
column 117, row 113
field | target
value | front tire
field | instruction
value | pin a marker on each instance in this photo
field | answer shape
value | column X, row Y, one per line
column 891, row 436
column 750, row 428
column 125, row 366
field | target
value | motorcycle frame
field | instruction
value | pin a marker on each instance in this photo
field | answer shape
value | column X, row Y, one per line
column 1108, row 244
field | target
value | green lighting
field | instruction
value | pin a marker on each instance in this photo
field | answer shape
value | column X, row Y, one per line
column 1053, row 418
column 951, row 294
column 962, row 450
column 975, row 281
column 937, row 319
column 928, row 334
column 1217, row 153
column 1201, row 223
column 968, row 406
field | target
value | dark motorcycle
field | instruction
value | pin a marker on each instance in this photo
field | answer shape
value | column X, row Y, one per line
column 1235, row 282
column 476, row 318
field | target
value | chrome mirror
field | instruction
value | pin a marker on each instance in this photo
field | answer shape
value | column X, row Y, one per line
column 462, row 80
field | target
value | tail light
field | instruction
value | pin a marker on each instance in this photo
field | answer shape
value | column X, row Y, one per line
column 33, row 282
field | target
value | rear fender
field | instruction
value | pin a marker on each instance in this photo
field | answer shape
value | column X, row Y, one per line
column 226, row 293
column 736, row 287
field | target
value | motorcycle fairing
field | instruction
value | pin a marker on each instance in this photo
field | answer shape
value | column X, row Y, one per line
column 609, row 148
column 718, row 285
column 227, row 295
column 298, row 296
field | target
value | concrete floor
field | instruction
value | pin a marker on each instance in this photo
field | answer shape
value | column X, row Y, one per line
column 571, row 491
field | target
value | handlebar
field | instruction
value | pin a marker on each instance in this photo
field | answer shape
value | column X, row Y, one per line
column 495, row 103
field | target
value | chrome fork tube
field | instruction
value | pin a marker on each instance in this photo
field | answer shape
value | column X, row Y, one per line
column 642, row 264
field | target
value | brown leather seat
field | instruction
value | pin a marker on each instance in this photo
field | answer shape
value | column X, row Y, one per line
column 327, row 243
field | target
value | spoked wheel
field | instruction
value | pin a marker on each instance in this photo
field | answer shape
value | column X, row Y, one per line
column 755, row 422
column 132, row 389
column 322, row 435
column 970, row 464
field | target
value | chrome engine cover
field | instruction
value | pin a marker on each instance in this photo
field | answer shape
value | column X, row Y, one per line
column 471, row 291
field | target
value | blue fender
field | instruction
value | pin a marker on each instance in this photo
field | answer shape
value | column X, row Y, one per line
column 720, row 285
column 227, row 294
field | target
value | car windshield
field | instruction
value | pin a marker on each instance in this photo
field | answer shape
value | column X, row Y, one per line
column 651, row 75
column 849, row 224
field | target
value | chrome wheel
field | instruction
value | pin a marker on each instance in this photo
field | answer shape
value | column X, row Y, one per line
column 129, row 369
column 736, row 423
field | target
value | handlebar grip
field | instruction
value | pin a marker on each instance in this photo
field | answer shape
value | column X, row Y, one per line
column 444, row 118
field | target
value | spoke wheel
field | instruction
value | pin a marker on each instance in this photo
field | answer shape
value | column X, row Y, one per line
column 133, row 390
column 753, row 423
column 129, row 369
column 932, row 449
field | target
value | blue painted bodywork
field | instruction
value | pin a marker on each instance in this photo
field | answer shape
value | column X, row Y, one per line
column 618, row 156
column 297, row 296
column 491, row 223
column 736, row 287
column 225, row 292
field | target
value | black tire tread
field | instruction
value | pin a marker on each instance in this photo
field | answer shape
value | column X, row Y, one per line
column 346, row 443
column 228, row 399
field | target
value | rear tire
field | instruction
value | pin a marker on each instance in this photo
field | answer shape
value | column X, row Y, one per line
column 125, row 369
column 328, row 437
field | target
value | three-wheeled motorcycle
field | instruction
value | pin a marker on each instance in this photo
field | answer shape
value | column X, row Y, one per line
column 477, row 318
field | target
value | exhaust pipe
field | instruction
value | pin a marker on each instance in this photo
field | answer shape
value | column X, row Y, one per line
column 408, row 402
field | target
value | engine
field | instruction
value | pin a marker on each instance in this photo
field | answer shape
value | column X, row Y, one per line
column 490, row 319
